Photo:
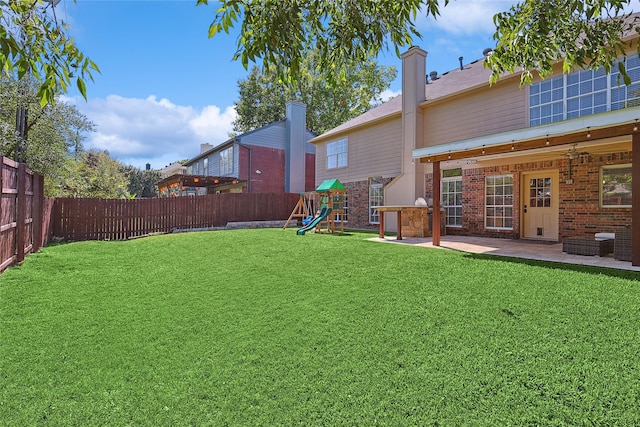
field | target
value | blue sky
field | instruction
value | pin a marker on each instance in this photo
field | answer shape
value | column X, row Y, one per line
column 165, row 87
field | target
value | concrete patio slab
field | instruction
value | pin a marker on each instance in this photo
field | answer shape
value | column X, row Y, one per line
column 541, row 251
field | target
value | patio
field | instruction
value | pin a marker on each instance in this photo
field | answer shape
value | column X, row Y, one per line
column 541, row 251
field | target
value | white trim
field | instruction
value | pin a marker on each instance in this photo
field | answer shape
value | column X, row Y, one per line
column 611, row 118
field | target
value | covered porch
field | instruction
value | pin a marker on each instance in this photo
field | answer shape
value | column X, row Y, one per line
column 558, row 171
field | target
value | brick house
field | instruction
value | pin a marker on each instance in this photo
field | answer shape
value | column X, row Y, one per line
column 547, row 161
column 276, row 158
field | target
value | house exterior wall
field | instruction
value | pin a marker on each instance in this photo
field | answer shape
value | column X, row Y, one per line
column 270, row 162
column 580, row 213
column 358, row 204
column 372, row 151
column 500, row 108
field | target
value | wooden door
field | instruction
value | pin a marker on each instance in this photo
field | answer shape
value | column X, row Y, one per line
column 540, row 206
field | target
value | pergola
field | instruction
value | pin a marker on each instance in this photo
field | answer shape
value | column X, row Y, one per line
column 177, row 185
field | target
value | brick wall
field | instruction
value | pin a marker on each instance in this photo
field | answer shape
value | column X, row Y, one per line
column 271, row 163
column 358, row 204
column 310, row 172
column 580, row 213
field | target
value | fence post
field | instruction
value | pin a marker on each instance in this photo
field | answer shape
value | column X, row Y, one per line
column 21, row 212
column 37, row 212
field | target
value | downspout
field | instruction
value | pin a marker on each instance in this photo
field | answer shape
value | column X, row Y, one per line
column 249, row 179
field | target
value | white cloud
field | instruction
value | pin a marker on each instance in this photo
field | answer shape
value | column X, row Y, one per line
column 139, row 131
column 466, row 17
column 387, row 94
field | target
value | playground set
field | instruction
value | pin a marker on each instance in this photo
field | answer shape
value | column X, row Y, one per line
column 318, row 209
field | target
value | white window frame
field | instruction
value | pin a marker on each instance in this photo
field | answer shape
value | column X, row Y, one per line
column 498, row 201
column 447, row 194
column 205, row 166
column 376, row 198
column 583, row 93
column 226, row 161
column 337, row 154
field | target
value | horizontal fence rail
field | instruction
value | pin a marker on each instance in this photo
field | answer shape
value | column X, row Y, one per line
column 120, row 219
column 23, row 212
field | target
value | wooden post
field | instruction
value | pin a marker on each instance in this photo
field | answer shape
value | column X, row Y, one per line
column 635, row 200
column 399, row 233
column 21, row 212
column 435, row 216
column 381, row 224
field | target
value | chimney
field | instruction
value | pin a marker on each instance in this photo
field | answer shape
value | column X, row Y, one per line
column 295, row 153
column 205, row 147
column 461, row 66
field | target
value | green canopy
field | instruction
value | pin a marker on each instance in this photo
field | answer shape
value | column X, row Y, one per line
column 330, row 184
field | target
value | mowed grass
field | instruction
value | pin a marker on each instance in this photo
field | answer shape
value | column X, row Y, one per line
column 266, row 328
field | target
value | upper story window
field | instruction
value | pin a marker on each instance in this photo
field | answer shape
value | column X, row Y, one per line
column 337, row 154
column 226, row 161
column 583, row 93
column 205, row 166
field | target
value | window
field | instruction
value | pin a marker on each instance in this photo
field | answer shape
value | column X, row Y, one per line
column 452, row 196
column 583, row 93
column 615, row 186
column 205, row 166
column 226, row 161
column 337, row 154
column 499, row 202
column 376, row 198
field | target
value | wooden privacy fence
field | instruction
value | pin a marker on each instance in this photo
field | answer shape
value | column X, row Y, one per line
column 115, row 219
column 24, row 212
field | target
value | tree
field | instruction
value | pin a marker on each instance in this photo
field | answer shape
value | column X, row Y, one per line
column 34, row 43
column 56, row 132
column 263, row 98
column 532, row 35
column 101, row 177
column 142, row 183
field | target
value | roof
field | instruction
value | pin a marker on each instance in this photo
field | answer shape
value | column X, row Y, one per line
column 330, row 184
column 473, row 75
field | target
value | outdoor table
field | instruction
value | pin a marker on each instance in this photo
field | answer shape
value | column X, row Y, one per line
column 398, row 209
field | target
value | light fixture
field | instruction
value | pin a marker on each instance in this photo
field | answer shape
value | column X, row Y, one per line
column 513, row 146
column 215, row 181
column 196, row 179
column 635, row 126
column 547, row 143
column 449, row 155
column 588, row 132
column 483, row 149
column 428, row 159
column 258, row 171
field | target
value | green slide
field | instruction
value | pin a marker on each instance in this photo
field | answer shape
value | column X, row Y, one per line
column 320, row 217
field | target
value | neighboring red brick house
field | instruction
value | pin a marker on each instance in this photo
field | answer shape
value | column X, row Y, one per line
column 276, row 158
column 546, row 161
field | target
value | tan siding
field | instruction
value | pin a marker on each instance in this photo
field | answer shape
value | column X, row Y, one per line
column 373, row 151
column 497, row 109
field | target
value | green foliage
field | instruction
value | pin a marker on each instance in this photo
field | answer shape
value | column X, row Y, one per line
column 33, row 43
column 534, row 34
column 312, row 330
column 279, row 32
column 101, row 177
column 142, row 183
column 531, row 36
column 263, row 97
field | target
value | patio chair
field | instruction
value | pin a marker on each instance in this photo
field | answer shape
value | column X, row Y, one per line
column 622, row 245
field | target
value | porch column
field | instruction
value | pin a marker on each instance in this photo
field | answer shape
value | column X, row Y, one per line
column 635, row 199
column 435, row 215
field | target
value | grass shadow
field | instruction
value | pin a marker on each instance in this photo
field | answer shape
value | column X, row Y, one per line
column 589, row 269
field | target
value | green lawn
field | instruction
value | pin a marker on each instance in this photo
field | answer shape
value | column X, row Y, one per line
column 263, row 327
